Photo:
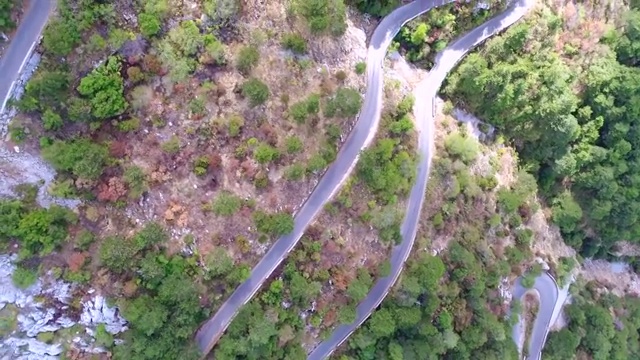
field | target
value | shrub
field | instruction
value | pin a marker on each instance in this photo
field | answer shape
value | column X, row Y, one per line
column 118, row 254
column 247, row 59
column 134, row 74
column 295, row 172
column 462, row 147
column 43, row 230
column 23, row 277
column 51, row 120
column 294, row 42
column 265, row 153
column 149, row 24
column 226, row 204
column 261, row 181
column 135, row 179
column 293, row 144
column 129, row 125
column 200, row 165
column 171, row 146
column 82, row 157
column 103, row 337
column 345, row 103
column 152, row 233
column 316, row 163
column 274, row 224
column 84, row 239
column 361, row 67
column 298, row 112
column 236, row 122
column 63, row 189
column 61, row 37
column 256, row 91
column 323, row 16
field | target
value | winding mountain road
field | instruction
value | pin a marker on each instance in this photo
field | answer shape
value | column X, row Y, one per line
column 362, row 134
column 359, row 138
column 26, row 38
column 551, row 300
column 425, row 94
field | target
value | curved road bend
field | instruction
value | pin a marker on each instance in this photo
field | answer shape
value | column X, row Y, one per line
column 423, row 112
column 548, row 310
column 27, row 35
column 361, row 135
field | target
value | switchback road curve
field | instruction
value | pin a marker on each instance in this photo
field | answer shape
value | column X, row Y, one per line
column 362, row 134
column 548, row 309
column 425, row 94
column 22, row 44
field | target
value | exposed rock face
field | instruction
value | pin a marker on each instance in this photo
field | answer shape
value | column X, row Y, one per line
column 36, row 316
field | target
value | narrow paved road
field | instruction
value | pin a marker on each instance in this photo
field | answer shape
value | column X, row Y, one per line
column 425, row 94
column 13, row 60
column 550, row 304
column 361, row 135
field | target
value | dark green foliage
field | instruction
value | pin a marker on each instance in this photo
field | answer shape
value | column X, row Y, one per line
column 294, row 42
column 226, row 204
column 345, row 103
column 51, row 120
column 247, row 59
column 149, row 24
column 45, row 90
column 462, row 147
column 105, row 89
column 265, row 153
column 301, row 110
column 256, row 91
column 11, row 211
column 23, row 277
column 323, row 16
column 83, row 158
column 43, row 230
column 578, row 143
column 387, row 170
column 6, row 6
column 118, row 253
column 61, row 37
column 274, row 224
column 375, row 7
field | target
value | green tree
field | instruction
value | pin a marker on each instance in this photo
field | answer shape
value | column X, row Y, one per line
column 345, row 103
column 323, row 16
column 61, row 37
column 461, row 146
column 186, row 38
column 118, row 254
column 43, row 230
column 149, row 24
column 566, row 212
column 105, row 87
column 51, row 120
column 82, row 157
column 265, row 153
column 294, row 42
column 256, row 91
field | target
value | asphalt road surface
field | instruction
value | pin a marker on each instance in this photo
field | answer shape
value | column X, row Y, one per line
column 548, row 291
column 425, row 94
column 27, row 35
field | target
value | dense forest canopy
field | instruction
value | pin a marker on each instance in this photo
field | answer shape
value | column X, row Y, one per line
column 575, row 127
